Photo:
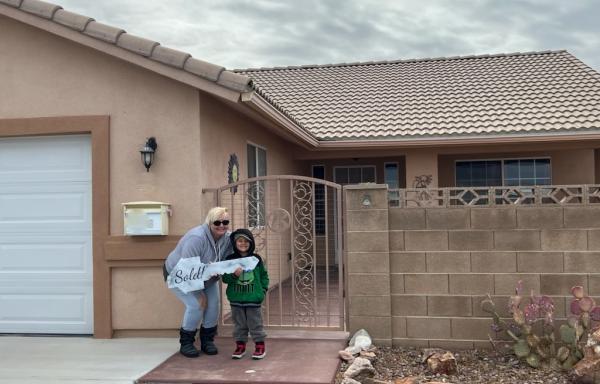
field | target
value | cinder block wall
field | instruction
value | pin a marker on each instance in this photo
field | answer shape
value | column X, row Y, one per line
column 450, row 258
column 367, row 243
column 441, row 262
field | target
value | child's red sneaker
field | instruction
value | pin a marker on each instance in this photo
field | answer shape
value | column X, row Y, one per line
column 259, row 350
column 240, row 350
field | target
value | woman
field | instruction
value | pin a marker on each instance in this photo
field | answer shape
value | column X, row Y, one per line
column 211, row 242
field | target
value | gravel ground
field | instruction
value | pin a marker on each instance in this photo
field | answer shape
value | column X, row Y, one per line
column 474, row 366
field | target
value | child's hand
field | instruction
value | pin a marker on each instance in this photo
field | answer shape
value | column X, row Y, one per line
column 238, row 272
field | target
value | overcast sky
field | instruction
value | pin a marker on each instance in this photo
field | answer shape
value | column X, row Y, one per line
column 268, row 33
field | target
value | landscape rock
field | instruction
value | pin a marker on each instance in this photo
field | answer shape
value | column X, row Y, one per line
column 368, row 355
column 348, row 380
column 346, row 356
column 407, row 380
column 427, row 352
column 360, row 369
column 361, row 340
column 442, row 363
column 586, row 371
column 372, row 380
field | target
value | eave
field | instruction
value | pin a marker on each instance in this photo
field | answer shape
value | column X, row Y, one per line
column 459, row 141
column 256, row 102
column 113, row 50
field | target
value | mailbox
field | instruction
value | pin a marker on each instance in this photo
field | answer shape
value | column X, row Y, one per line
column 146, row 218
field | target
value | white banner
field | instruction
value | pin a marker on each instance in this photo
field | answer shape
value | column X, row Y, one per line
column 190, row 273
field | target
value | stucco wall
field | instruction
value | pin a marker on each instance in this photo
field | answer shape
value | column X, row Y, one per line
column 48, row 76
column 378, row 162
column 569, row 165
column 418, row 276
column 223, row 131
column 45, row 75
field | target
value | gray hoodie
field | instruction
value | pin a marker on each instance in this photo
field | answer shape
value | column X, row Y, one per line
column 198, row 241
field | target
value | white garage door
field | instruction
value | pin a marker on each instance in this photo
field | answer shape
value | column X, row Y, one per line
column 45, row 235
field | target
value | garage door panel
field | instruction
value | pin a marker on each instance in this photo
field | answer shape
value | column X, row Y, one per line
column 46, row 235
column 45, row 158
column 68, row 256
column 53, row 309
column 42, row 208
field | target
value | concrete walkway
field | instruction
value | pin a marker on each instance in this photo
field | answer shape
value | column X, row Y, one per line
column 53, row 360
column 300, row 357
column 288, row 361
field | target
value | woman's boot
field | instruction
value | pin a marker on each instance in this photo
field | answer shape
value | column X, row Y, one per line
column 186, row 340
column 207, row 340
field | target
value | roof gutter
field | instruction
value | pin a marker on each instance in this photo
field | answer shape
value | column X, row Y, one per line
column 257, row 102
column 452, row 141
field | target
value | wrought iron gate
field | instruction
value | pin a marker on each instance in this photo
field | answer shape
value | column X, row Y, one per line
column 296, row 222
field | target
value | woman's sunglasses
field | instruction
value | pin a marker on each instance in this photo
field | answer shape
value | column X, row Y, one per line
column 217, row 223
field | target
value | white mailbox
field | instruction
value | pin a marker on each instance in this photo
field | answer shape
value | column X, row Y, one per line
column 146, row 218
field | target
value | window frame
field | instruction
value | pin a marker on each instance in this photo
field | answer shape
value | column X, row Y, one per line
column 319, row 219
column 393, row 195
column 355, row 166
column 259, row 220
column 502, row 160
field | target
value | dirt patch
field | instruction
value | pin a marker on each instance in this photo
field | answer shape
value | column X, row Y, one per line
column 474, row 366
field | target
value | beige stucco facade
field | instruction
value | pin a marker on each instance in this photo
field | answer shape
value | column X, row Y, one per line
column 48, row 76
column 44, row 75
column 572, row 162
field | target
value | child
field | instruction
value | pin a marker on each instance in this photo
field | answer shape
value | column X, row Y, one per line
column 246, row 291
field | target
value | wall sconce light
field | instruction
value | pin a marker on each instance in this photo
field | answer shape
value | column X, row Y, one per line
column 366, row 201
column 148, row 152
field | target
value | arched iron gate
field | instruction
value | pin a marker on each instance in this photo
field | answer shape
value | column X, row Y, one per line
column 296, row 222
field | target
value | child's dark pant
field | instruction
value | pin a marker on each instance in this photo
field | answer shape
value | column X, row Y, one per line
column 247, row 319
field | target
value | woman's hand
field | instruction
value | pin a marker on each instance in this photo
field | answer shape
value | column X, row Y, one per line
column 238, row 272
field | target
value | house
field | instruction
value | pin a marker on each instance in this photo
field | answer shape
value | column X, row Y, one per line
column 80, row 99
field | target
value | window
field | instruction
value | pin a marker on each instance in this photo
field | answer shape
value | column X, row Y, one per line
column 509, row 172
column 318, row 172
column 391, row 179
column 478, row 173
column 527, row 172
column 257, row 166
column 354, row 174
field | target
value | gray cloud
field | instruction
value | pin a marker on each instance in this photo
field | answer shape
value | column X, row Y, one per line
column 266, row 33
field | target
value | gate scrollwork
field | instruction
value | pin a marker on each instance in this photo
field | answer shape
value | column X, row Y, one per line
column 303, row 262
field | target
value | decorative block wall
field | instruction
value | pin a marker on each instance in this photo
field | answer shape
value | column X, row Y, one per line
column 424, row 286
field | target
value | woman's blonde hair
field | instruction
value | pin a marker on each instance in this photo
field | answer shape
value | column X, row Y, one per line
column 215, row 213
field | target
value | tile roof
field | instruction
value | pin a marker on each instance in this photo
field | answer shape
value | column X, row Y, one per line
column 149, row 49
column 518, row 93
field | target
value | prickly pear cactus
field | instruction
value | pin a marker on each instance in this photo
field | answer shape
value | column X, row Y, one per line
column 584, row 313
column 538, row 348
column 535, row 349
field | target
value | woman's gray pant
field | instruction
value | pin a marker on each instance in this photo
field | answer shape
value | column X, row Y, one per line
column 247, row 319
column 194, row 313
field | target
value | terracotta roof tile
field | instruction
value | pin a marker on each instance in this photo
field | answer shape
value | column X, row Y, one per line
column 473, row 95
column 170, row 56
column 103, row 32
column 152, row 50
column 137, row 44
column 203, row 69
column 232, row 80
column 13, row 3
column 72, row 20
column 40, row 8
